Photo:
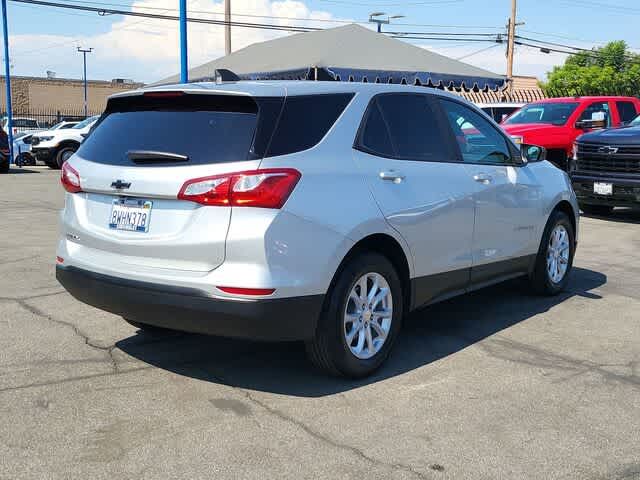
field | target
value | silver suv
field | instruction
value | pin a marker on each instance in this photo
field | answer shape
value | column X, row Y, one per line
column 313, row 211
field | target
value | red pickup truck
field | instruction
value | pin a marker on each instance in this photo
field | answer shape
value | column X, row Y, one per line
column 555, row 123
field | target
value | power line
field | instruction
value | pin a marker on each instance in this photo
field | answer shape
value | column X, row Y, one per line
column 478, row 51
column 109, row 11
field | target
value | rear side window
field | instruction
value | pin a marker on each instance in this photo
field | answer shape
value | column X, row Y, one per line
column 627, row 111
column 403, row 126
column 305, row 120
column 200, row 129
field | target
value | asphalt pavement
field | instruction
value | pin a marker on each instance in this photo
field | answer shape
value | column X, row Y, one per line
column 499, row 384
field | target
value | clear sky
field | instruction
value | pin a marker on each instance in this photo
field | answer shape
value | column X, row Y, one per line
column 45, row 38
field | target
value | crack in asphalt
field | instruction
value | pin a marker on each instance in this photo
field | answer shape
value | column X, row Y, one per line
column 87, row 340
column 518, row 352
column 72, row 379
column 329, row 441
column 32, row 297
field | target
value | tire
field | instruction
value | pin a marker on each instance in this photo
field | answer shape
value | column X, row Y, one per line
column 64, row 153
column 4, row 165
column 599, row 210
column 329, row 349
column 51, row 164
column 541, row 279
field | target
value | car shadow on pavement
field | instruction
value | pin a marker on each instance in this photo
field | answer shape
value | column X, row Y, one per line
column 428, row 335
column 17, row 171
column 620, row 215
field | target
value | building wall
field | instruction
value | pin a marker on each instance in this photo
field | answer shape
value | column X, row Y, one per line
column 38, row 94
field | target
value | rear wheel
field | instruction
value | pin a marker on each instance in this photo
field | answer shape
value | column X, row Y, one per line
column 4, row 165
column 361, row 318
column 555, row 256
column 601, row 210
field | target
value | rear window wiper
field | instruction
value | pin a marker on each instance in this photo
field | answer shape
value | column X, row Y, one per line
column 151, row 156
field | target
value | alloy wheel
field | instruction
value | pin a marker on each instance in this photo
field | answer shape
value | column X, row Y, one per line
column 558, row 254
column 368, row 315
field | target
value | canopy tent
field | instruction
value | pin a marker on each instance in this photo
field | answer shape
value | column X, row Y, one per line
column 347, row 53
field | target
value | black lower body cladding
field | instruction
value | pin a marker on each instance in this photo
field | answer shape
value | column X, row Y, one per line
column 192, row 310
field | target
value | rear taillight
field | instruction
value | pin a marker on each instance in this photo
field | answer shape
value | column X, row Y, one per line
column 267, row 188
column 70, row 179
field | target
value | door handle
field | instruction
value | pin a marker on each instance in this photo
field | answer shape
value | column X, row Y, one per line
column 483, row 178
column 392, row 176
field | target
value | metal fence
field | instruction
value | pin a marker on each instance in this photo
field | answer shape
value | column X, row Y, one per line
column 532, row 95
column 49, row 117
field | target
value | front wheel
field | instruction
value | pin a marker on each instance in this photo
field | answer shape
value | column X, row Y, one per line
column 64, row 154
column 361, row 318
column 555, row 256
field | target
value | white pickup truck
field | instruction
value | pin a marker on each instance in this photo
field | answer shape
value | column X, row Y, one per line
column 54, row 147
column 21, row 125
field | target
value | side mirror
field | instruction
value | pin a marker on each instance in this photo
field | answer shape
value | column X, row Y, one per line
column 533, row 153
column 591, row 124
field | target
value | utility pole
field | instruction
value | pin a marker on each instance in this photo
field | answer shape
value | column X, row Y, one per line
column 511, row 41
column 184, row 65
column 84, row 52
column 7, row 79
column 227, row 27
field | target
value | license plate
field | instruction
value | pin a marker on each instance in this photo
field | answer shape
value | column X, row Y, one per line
column 603, row 188
column 129, row 214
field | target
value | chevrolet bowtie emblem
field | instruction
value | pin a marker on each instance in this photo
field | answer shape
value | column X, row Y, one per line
column 608, row 150
column 120, row 185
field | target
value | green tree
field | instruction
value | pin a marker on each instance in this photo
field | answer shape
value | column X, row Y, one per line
column 612, row 69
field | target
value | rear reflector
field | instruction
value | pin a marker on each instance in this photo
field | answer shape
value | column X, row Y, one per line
column 70, row 179
column 247, row 291
column 59, row 260
column 266, row 188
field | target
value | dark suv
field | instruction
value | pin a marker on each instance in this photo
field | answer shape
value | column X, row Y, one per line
column 4, row 152
column 606, row 169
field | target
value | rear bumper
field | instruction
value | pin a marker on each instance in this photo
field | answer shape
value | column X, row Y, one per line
column 191, row 310
column 626, row 191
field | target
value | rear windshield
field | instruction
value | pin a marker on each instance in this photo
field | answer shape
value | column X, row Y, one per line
column 166, row 129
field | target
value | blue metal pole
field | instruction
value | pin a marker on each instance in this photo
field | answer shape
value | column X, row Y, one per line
column 7, row 79
column 84, row 76
column 184, row 67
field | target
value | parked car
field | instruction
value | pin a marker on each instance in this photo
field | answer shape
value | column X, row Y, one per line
column 22, row 150
column 5, row 165
column 555, row 123
column 500, row 111
column 314, row 211
column 606, row 169
column 21, row 125
column 63, row 125
column 54, row 147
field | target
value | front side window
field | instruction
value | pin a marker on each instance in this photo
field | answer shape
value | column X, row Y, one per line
column 405, row 127
column 478, row 140
column 597, row 111
column 553, row 113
